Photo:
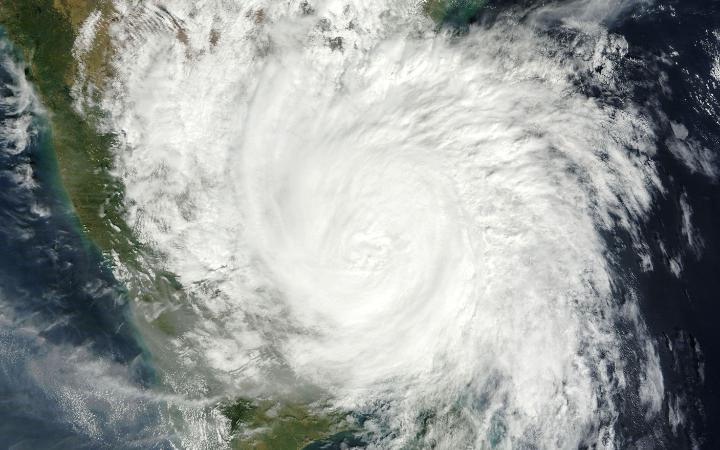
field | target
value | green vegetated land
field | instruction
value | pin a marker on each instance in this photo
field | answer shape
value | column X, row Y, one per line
column 45, row 31
column 268, row 425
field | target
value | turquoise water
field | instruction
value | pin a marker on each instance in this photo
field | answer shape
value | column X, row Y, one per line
column 73, row 373
column 60, row 306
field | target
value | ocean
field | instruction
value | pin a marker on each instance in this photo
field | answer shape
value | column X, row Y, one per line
column 633, row 367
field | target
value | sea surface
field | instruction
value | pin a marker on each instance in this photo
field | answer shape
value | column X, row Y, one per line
column 74, row 372
column 680, row 305
column 64, row 319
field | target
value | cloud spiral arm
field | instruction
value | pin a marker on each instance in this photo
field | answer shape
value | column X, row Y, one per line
column 402, row 218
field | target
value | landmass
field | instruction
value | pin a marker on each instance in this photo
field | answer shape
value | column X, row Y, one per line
column 46, row 31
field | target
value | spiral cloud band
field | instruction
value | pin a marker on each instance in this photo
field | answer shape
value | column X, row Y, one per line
column 393, row 219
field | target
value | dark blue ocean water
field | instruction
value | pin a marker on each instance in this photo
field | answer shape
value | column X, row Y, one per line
column 63, row 317
column 64, row 327
column 672, row 51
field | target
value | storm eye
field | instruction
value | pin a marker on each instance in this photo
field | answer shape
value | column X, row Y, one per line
column 407, row 224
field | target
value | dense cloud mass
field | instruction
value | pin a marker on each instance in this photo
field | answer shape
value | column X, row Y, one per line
column 394, row 219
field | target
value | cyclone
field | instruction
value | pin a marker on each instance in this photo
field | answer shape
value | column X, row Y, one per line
column 392, row 218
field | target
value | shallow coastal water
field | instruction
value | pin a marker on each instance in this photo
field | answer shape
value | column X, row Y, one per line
column 64, row 329
column 505, row 235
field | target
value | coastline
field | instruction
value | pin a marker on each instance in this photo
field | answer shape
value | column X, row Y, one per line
column 80, row 161
column 51, row 187
column 77, row 161
column 79, row 157
column 58, row 298
column 83, row 154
